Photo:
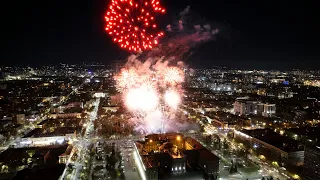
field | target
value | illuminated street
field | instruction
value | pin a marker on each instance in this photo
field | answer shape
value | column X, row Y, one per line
column 81, row 145
column 265, row 169
column 160, row 90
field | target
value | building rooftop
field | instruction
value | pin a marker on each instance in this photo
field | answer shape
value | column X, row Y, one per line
column 150, row 161
column 14, row 156
column 206, row 155
column 67, row 122
column 202, row 155
column 176, row 155
column 282, row 142
column 61, row 131
column 312, row 132
column 166, row 136
column 47, row 172
column 194, row 143
column 167, row 150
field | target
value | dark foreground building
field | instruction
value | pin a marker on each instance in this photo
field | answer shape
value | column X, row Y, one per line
column 171, row 156
column 282, row 149
column 311, row 169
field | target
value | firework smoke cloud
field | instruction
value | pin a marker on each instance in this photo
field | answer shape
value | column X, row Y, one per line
column 151, row 82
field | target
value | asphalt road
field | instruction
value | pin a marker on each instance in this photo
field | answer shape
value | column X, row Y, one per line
column 129, row 164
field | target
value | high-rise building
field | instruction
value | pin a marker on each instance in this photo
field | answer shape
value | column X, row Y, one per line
column 269, row 110
column 244, row 106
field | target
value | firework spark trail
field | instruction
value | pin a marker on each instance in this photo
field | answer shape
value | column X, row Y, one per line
column 173, row 76
column 148, row 97
column 151, row 82
column 172, row 98
column 132, row 23
column 143, row 98
column 126, row 79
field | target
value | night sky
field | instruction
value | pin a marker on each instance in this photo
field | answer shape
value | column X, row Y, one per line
column 277, row 34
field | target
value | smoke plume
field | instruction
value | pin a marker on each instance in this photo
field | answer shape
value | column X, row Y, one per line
column 150, row 65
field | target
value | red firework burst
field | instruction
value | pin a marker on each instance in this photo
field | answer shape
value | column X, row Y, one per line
column 131, row 23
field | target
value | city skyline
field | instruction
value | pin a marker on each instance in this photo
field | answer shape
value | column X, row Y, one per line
column 159, row 89
column 82, row 122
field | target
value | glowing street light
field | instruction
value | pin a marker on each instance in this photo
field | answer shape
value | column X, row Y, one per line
column 296, row 176
column 262, row 157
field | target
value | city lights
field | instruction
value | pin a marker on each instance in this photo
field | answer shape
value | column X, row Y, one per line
column 121, row 89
